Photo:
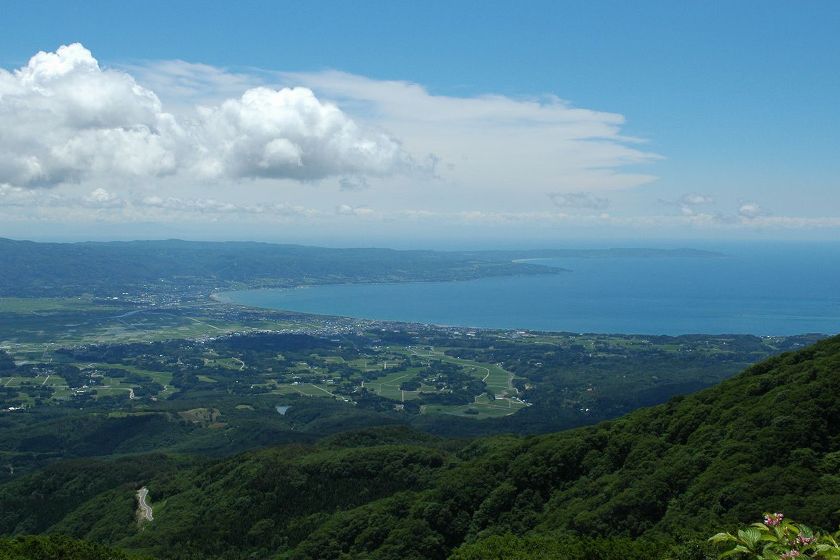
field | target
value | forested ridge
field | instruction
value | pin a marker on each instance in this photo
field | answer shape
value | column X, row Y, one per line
column 175, row 266
column 652, row 484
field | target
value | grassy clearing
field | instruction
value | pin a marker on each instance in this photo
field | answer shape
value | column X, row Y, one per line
column 111, row 391
column 234, row 364
column 162, row 377
column 481, row 408
column 35, row 305
column 494, row 376
column 40, row 322
column 285, row 389
column 306, row 389
column 52, row 380
column 388, row 386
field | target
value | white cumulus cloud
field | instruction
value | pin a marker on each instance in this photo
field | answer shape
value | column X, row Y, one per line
column 690, row 204
column 347, row 210
column 63, row 118
column 696, row 199
column 101, row 198
column 750, row 210
column 289, row 133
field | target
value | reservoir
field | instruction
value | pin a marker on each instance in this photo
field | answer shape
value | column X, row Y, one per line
column 764, row 290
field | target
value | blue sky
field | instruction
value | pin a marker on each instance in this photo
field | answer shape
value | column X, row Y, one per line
column 733, row 103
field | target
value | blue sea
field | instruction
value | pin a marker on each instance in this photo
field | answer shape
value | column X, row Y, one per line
column 761, row 289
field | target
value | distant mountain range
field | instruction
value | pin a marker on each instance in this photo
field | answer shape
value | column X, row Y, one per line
column 108, row 268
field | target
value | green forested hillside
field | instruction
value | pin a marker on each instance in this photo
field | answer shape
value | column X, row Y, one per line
column 652, row 484
column 62, row 269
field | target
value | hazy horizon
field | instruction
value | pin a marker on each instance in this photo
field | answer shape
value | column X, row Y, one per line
column 461, row 244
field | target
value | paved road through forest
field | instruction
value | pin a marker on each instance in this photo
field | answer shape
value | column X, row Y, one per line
column 144, row 510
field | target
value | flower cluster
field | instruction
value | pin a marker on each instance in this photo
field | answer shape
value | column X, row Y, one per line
column 773, row 519
column 778, row 539
column 802, row 540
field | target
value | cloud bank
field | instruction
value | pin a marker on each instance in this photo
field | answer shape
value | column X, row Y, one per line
column 525, row 147
column 64, row 119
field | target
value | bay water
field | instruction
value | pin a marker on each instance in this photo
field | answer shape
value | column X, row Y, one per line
column 762, row 290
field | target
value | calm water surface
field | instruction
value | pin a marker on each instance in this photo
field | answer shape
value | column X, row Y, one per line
column 767, row 291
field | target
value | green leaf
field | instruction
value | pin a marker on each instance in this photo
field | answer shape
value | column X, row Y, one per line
column 750, row 537
column 737, row 550
column 722, row 537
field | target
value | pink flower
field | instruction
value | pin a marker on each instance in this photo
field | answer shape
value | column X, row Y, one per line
column 773, row 519
column 791, row 554
column 804, row 541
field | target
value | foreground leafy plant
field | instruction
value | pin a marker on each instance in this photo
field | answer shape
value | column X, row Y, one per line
column 778, row 539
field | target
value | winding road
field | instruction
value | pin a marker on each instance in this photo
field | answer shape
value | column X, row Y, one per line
column 144, row 510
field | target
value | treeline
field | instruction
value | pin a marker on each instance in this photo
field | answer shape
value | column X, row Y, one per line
column 57, row 547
